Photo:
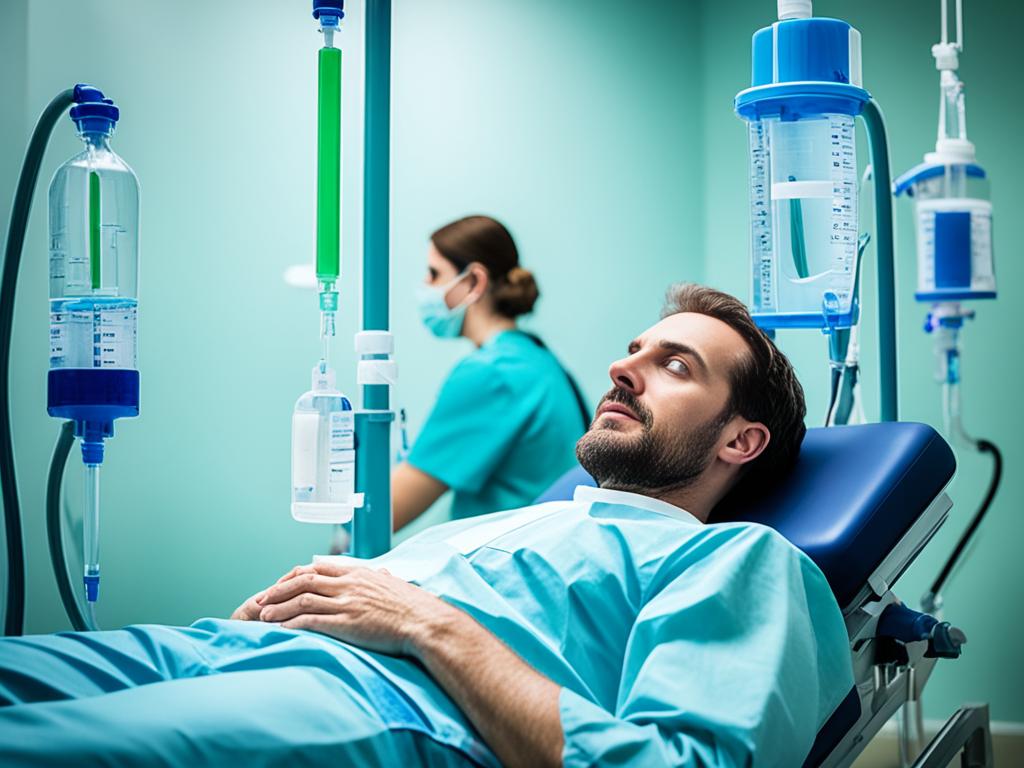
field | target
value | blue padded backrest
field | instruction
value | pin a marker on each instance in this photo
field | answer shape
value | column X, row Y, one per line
column 852, row 495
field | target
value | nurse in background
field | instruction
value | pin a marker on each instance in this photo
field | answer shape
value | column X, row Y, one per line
column 507, row 419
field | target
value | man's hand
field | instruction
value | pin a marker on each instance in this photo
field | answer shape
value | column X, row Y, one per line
column 250, row 609
column 513, row 706
column 366, row 607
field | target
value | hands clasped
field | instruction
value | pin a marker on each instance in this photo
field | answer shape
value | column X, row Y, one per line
column 369, row 608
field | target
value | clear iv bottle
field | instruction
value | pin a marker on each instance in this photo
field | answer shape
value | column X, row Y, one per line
column 94, row 280
column 94, row 225
column 323, row 453
column 801, row 107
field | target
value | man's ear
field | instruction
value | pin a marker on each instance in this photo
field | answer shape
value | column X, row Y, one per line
column 750, row 438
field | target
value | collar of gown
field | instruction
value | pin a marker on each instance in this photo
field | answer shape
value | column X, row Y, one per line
column 607, row 496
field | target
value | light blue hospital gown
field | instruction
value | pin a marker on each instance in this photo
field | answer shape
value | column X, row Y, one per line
column 675, row 643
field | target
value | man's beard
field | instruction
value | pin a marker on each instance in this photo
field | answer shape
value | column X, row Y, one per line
column 651, row 460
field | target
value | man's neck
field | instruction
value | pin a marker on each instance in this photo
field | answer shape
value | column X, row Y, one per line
column 685, row 498
column 689, row 498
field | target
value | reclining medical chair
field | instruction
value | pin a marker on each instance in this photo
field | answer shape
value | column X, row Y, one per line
column 862, row 502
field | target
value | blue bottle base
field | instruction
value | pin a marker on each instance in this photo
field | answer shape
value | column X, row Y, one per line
column 92, row 394
column 779, row 320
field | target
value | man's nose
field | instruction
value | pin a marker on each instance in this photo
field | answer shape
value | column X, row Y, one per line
column 625, row 375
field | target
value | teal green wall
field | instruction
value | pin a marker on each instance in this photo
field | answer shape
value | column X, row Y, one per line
column 564, row 119
column 13, row 51
column 985, row 596
column 601, row 132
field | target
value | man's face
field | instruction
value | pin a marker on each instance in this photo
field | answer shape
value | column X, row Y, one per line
column 661, row 424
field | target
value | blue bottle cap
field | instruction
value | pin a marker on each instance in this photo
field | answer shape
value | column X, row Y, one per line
column 93, row 112
column 804, row 67
column 334, row 8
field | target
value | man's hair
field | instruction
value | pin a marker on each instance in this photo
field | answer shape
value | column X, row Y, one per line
column 764, row 384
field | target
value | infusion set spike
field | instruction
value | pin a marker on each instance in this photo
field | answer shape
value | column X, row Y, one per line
column 328, row 311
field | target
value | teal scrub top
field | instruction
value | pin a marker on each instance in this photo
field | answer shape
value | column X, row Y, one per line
column 504, row 426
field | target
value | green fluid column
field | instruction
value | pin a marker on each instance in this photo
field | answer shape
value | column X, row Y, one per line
column 328, row 211
column 887, row 359
column 95, row 231
column 371, row 526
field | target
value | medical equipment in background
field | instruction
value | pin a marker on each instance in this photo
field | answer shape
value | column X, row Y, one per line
column 94, row 265
column 801, row 108
column 323, row 450
column 953, row 217
column 953, row 228
column 325, row 453
column 93, row 377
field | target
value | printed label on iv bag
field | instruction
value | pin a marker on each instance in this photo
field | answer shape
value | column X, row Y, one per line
column 760, row 219
column 93, row 333
column 342, row 483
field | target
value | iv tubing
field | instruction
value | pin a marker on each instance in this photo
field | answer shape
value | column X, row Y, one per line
column 955, row 429
column 983, row 446
column 91, row 532
column 879, row 147
column 328, row 183
column 796, row 237
column 54, row 529
column 844, row 352
column 14, row 620
column 944, row 10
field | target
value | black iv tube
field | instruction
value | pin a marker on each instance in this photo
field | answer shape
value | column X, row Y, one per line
column 14, row 619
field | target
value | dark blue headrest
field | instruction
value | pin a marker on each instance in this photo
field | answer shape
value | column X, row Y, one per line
column 852, row 495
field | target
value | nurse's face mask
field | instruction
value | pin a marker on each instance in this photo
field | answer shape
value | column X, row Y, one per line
column 441, row 320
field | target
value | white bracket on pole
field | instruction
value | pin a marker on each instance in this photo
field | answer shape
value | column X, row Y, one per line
column 371, row 368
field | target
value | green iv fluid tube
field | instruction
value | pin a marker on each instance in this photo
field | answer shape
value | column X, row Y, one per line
column 95, row 230
column 328, row 244
column 328, row 231
column 796, row 236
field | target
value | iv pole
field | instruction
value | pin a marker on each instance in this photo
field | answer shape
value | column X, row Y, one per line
column 371, row 524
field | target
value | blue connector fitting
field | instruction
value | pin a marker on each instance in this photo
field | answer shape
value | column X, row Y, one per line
column 905, row 624
column 952, row 366
column 93, row 112
column 92, row 588
column 92, row 434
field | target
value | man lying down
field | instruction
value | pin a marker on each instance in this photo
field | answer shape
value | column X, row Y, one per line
column 615, row 629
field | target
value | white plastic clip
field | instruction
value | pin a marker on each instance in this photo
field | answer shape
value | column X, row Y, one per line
column 377, row 372
column 375, row 343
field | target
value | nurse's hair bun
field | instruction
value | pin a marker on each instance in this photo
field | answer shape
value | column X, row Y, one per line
column 515, row 293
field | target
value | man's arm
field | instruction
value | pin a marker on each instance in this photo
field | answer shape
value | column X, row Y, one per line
column 514, row 707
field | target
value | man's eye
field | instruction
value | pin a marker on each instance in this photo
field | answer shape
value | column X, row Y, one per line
column 677, row 366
